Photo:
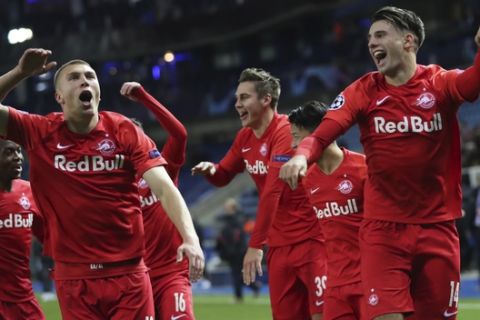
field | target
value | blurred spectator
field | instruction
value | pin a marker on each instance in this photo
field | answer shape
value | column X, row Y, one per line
column 41, row 270
column 232, row 244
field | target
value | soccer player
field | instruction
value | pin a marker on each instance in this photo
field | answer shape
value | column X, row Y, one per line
column 83, row 167
column 334, row 187
column 285, row 220
column 409, row 130
column 18, row 218
column 171, row 286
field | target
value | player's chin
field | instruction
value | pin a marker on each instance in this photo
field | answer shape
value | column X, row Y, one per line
column 245, row 123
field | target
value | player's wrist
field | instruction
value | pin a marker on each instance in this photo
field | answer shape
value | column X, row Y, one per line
column 302, row 152
column 191, row 239
column 20, row 73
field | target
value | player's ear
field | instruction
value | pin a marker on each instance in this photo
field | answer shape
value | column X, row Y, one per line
column 409, row 40
column 267, row 99
column 59, row 97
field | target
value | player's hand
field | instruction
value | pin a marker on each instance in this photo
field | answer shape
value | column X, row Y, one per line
column 477, row 38
column 129, row 89
column 293, row 170
column 35, row 61
column 196, row 260
column 252, row 264
column 204, row 168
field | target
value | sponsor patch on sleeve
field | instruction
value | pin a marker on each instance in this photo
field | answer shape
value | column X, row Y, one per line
column 281, row 158
column 338, row 102
column 154, row 154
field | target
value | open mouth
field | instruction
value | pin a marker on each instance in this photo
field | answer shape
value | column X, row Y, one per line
column 86, row 97
column 243, row 115
column 18, row 168
column 379, row 56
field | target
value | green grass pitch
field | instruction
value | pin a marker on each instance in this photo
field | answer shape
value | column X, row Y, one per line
column 222, row 307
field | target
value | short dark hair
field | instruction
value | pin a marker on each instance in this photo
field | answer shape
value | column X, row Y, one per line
column 265, row 83
column 404, row 20
column 69, row 63
column 308, row 115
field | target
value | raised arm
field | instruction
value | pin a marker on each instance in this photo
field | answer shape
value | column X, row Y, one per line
column 174, row 149
column 175, row 207
column 468, row 82
column 33, row 61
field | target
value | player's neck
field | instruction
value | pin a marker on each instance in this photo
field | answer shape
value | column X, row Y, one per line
column 6, row 185
column 264, row 122
column 331, row 159
column 404, row 72
column 82, row 126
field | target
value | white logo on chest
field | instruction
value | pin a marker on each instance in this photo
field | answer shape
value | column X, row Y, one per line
column 408, row 124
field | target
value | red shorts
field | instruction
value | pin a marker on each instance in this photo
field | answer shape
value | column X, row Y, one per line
column 410, row 268
column 25, row 310
column 344, row 302
column 118, row 297
column 173, row 296
column 297, row 279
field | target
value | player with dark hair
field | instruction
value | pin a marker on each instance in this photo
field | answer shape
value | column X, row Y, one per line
column 18, row 218
column 171, row 286
column 334, row 187
column 83, row 168
column 410, row 133
column 285, row 220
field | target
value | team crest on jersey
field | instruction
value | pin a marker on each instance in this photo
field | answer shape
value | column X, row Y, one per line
column 425, row 101
column 338, row 102
column 263, row 149
column 106, row 147
column 142, row 184
column 345, row 186
column 24, row 202
column 373, row 299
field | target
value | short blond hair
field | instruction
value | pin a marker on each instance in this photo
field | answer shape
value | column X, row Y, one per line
column 264, row 83
column 69, row 63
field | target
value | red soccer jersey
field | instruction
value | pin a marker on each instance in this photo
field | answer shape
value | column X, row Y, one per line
column 85, row 185
column 411, row 139
column 338, row 202
column 17, row 217
column 161, row 236
column 284, row 215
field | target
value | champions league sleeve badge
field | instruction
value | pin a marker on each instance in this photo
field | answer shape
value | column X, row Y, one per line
column 154, row 154
column 338, row 102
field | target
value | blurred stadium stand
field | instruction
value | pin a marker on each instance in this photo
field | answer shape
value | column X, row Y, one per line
column 314, row 47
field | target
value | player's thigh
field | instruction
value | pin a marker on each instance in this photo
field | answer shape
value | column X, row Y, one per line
column 77, row 299
column 136, row 299
column 288, row 294
column 314, row 277
column 173, row 297
column 344, row 302
column 436, row 273
column 386, row 251
column 25, row 310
